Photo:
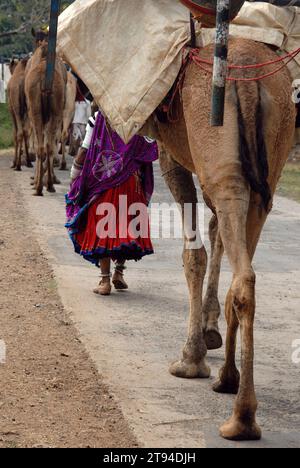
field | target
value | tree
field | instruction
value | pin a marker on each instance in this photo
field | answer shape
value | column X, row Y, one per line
column 13, row 32
column 17, row 17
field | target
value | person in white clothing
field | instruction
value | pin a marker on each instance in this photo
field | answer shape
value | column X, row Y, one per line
column 83, row 112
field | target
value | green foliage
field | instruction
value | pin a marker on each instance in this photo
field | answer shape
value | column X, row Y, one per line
column 289, row 185
column 21, row 16
column 6, row 132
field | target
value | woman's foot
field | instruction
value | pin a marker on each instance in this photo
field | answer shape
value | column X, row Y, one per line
column 118, row 278
column 104, row 288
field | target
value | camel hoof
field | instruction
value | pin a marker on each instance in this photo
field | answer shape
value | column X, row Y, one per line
column 228, row 383
column 228, row 388
column 190, row 370
column 38, row 194
column 63, row 167
column 213, row 339
column 51, row 189
column 18, row 169
column 29, row 164
column 56, row 181
column 237, row 430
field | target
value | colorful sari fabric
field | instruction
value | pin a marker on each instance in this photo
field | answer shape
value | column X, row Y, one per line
column 110, row 168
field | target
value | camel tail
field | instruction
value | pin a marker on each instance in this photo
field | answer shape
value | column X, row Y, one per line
column 22, row 102
column 252, row 146
column 46, row 107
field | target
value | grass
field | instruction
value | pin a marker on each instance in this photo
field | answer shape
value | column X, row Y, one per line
column 6, row 134
column 289, row 185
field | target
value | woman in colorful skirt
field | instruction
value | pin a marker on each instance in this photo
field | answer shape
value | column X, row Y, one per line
column 112, row 184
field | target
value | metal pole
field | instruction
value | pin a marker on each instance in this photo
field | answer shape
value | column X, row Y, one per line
column 51, row 56
column 220, row 63
column 193, row 32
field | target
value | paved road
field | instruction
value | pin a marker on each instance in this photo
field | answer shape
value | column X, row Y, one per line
column 133, row 336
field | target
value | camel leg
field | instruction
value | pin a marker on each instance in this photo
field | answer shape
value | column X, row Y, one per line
column 39, row 172
column 31, row 143
column 63, row 166
column 240, row 244
column 56, row 161
column 211, row 306
column 50, row 168
column 55, row 179
column 229, row 376
column 14, row 164
column 181, row 184
column 193, row 363
column 19, row 152
column 26, row 140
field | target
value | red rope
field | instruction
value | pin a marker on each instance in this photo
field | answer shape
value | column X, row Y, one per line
column 200, row 62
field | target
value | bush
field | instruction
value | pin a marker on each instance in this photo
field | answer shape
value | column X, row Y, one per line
column 6, row 131
column 289, row 185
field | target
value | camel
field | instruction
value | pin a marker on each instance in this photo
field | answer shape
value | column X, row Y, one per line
column 46, row 114
column 18, row 110
column 41, row 37
column 238, row 167
column 68, row 115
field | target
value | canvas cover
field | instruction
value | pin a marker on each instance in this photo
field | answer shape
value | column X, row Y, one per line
column 269, row 24
column 128, row 52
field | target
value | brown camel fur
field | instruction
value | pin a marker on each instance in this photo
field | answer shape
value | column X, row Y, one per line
column 13, row 65
column 68, row 116
column 181, row 184
column 18, row 110
column 238, row 167
column 297, row 137
column 46, row 114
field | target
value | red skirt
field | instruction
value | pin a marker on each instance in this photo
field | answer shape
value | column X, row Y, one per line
column 117, row 225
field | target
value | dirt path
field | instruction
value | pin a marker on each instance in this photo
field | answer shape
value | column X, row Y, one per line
column 50, row 392
column 132, row 337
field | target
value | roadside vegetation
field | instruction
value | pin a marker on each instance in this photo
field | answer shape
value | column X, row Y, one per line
column 6, row 137
column 16, row 20
column 289, row 185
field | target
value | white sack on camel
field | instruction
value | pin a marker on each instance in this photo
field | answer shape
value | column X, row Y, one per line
column 266, row 23
column 128, row 52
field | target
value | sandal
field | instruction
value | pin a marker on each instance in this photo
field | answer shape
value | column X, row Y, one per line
column 118, row 278
column 104, row 288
